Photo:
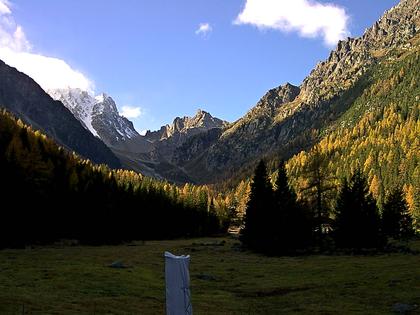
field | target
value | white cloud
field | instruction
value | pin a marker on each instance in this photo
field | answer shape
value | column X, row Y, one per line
column 143, row 132
column 5, row 7
column 131, row 112
column 204, row 29
column 48, row 72
column 309, row 18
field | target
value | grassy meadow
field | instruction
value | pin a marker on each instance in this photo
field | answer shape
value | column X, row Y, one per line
column 224, row 280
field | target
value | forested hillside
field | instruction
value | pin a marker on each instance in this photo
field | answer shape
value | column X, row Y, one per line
column 49, row 194
column 379, row 134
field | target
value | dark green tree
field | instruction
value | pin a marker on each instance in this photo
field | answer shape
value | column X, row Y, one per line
column 290, row 224
column 357, row 223
column 396, row 220
column 255, row 233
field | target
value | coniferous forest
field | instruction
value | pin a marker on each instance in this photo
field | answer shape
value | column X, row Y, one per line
column 50, row 194
column 275, row 222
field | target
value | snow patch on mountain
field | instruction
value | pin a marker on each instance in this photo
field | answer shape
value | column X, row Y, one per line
column 79, row 102
column 98, row 114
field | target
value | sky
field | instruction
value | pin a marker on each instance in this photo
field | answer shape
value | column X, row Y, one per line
column 161, row 59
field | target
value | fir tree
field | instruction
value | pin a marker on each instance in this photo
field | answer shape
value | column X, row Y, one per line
column 290, row 225
column 396, row 220
column 255, row 233
column 357, row 222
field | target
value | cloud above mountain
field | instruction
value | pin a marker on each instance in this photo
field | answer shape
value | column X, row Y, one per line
column 309, row 18
column 17, row 51
column 131, row 112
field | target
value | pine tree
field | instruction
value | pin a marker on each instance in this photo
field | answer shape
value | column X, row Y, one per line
column 357, row 222
column 290, row 225
column 396, row 220
column 255, row 233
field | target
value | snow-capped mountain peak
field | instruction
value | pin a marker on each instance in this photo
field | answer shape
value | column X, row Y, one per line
column 101, row 97
column 99, row 114
column 79, row 102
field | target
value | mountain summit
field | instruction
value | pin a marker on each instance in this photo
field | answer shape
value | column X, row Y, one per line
column 97, row 114
column 185, row 127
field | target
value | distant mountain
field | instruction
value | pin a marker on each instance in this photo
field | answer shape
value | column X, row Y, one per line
column 97, row 114
column 160, row 161
column 183, row 128
column 172, row 136
column 150, row 154
column 28, row 101
column 289, row 119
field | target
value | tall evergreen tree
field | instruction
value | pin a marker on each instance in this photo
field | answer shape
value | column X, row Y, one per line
column 255, row 233
column 290, row 224
column 357, row 222
column 396, row 220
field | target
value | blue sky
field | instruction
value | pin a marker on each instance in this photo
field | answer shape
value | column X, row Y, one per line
column 150, row 54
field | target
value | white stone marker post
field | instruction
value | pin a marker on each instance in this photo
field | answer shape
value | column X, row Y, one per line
column 177, row 277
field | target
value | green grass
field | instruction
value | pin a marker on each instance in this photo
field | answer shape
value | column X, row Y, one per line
column 77, row 280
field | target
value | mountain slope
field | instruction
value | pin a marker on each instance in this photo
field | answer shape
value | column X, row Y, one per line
column 27, row 100
column 285, row 126
column 379, row 134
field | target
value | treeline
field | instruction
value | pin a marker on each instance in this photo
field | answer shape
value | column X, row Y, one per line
column 48, row 194
column 277, row 223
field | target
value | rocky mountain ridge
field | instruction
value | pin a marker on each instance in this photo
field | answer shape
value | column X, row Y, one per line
column 185, row 127
column 285, row 126
column 160, row 159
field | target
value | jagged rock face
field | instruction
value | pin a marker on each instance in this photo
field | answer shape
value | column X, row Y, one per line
column 171, row 137
column 97, row 114
column 110, row 126
column 183, row 128
column 395, row 28
column 352, row 57
column 288, row 118
column 28, row 101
